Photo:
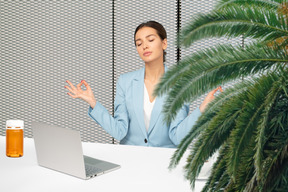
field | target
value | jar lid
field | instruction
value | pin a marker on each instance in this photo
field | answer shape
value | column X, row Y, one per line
column 14, row 123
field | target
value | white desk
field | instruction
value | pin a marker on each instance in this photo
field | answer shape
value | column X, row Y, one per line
column 143, row 169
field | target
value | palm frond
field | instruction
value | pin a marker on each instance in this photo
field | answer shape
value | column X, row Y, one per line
column 204, row 120
column 242, row 136
column 262, row 126
column 260, row 3
column 218, row 178
column 247, row 122
column 186, row 66
column 176, row 72
column 208, row 142
column 276, row 150
column 254, row 22
column 185, row 143
column 282, row 186
column 278, row 165
column 245, row 171
column 217, row 69
column 251, row 185
column 211, row 139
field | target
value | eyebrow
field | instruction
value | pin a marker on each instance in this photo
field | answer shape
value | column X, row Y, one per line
column 145, row 37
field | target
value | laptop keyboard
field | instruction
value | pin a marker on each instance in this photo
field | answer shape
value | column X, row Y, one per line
column 92, row 170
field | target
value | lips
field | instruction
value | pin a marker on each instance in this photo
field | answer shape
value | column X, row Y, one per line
column 147, row 53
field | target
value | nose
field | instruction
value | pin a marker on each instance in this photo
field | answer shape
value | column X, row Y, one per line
column 145, row 45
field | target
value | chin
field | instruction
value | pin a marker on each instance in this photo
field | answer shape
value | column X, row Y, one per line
column 147, row 60
column 150, row 59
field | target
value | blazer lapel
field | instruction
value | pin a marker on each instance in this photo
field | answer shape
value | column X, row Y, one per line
column 157, row 109
column 138, row 99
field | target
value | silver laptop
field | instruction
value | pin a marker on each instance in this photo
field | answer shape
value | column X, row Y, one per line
column 60, row 149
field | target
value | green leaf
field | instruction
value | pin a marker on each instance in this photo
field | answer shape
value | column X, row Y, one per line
column 263, row 24
column 214, row 69
column 275, row 4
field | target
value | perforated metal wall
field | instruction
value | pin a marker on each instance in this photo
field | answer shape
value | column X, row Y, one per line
column 44, row 43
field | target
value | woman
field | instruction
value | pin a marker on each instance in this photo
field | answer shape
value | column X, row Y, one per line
column 137, row 118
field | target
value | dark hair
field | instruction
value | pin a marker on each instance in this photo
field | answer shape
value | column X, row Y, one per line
column 158, row 27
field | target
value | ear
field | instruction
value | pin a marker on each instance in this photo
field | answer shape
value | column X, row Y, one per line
column 164, row 44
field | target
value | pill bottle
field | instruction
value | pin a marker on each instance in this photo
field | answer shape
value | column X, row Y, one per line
column 14, row 138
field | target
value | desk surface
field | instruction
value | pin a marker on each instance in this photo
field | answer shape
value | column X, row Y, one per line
column 142, row 169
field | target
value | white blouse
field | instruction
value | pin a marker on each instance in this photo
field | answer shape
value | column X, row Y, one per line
column 148, row 107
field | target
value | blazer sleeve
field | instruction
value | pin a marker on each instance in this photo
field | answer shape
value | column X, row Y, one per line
column 182, row 124
column 116, row 126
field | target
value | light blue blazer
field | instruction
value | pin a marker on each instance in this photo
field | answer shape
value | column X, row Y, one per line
column 128, row 125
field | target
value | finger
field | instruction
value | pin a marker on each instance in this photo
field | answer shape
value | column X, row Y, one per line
column 79, row 85
column 71, row 85
column 71, row 95
column 211, row 93
column 214, row 91
column 69, row 89
column 220, row 88
column 86, row 84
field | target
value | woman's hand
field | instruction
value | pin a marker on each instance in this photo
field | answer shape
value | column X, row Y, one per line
column 86, row 95
column 210, row 96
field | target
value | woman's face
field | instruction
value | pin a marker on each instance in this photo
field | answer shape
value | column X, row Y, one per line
column 149, row 45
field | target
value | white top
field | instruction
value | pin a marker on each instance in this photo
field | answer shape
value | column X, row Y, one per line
column 148, row 107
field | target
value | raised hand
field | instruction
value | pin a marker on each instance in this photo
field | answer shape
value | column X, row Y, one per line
column 86, row 95
column 210, row 96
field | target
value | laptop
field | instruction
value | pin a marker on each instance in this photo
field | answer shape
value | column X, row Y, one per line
column 60, row 149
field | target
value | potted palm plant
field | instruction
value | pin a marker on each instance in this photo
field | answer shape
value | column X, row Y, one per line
column 247, row 124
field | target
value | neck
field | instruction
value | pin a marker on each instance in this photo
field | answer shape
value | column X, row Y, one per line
column 153, row 71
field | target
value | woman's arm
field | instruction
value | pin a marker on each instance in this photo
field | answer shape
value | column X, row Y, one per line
column 182, row 124
column 116, row 126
